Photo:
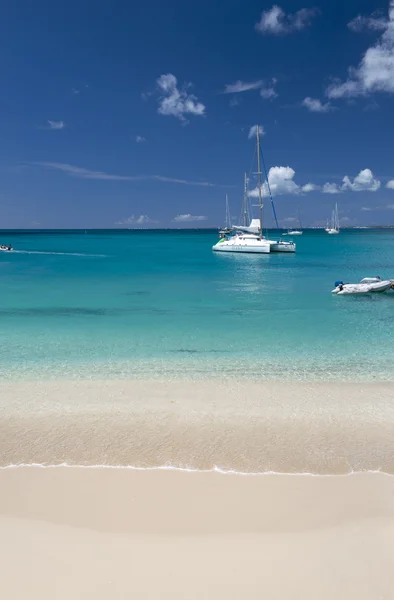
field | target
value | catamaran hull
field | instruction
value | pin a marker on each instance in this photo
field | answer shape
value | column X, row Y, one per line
column 283, row 247
column 249, row 246
column 245, row 249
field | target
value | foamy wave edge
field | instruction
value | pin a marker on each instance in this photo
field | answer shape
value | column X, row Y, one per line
column 215, row 469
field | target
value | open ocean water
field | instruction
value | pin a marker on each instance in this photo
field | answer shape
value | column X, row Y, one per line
column 161, row 304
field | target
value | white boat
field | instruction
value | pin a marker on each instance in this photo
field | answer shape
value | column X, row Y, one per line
column 368, row 285
column 334, row 222
column 243, row 234
column 243, row 242
column 296, row 231
column 6, row 248
column 252, row 240
column 293, row 232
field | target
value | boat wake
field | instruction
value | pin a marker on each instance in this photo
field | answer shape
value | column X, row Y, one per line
column 59, row 253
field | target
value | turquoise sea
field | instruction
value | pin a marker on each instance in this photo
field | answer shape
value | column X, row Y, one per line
column 161, row 304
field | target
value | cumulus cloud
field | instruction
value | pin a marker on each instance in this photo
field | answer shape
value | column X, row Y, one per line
column 242, row 86
column 140, row 139
column 189, row 218
column 363, row 182
column 134, row 220
column 309, row 187
column 331, row 188
column 175, row 102
column 276, row 22
column 253, row 131
column 281, row 181
column 375, row 72
column 56, row 125
column 315, row 105
column 375, row 22
column 390, row 184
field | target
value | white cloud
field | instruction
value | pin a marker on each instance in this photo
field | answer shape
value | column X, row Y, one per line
column 242, row 86
column 281, row 181
column 331, row 188
column 75, row 92
column 376, row 22
column 139, row 139
column 375, row 72
column 54, row 125
column 275, row 21
column 309, row 187
column 372, row 208
column 268, row 91
column 189, row 218
column 175, row 102
column 133, row 220
column 390, row 184
column 83, row 173
column 363, row 182
column 315, row 105
column 253, row 131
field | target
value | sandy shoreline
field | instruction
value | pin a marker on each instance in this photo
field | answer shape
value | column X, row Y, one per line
column 116, row 533
column 98, row 533
column 246, row 427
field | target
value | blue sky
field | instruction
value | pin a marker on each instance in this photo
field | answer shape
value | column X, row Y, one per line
column 138, row 114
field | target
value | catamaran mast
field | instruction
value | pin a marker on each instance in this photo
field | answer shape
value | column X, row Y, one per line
column 228, row 217
column 259, row 178
column 245, row 207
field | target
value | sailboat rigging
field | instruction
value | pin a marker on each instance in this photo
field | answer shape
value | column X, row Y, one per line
column 249, row 238
column 334, row 222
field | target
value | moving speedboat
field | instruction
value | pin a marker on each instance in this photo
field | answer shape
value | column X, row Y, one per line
column 368, row 285
column 6, row 248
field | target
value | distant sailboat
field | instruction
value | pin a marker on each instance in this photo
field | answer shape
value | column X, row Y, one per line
column 227, row 227
column 296, row 231
column 334, row 222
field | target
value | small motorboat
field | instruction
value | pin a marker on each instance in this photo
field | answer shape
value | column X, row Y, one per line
column 368, row 285
column 4, row 248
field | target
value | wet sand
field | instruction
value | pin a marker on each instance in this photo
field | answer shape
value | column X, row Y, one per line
column 331, row 428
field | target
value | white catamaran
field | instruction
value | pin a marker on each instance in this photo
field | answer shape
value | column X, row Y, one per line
column 334, row 222
column 249, row 238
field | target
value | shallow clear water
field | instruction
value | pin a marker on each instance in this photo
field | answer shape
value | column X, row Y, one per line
column 113, row 304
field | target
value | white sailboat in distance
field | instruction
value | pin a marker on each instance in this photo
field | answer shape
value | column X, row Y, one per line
column 227, row 228
column 334, row 222
column 296, row 231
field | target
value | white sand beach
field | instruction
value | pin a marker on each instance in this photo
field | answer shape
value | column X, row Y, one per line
column 120, row 533
column 98, row 533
